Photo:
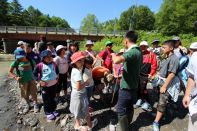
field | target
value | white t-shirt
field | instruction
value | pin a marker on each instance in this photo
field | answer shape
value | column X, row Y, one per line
column 177, row 52
column 76, row 75
column 87, row 76
column 62, row 64
column 192, row 67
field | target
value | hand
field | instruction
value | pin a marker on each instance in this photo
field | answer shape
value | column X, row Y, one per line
column 18, row 78
column 43, row 83
column 87, row 83
column 150, row 77
column 186, row 101
column 163, row 89
column 112, row 54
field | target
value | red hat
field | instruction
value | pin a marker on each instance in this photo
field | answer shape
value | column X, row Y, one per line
column 77, row 56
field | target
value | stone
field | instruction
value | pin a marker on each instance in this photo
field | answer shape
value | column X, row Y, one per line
column 31, row 120
column 19, row 121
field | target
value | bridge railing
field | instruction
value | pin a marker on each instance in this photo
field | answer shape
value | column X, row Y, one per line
column 56, row 30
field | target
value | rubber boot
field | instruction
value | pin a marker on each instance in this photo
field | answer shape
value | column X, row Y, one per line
column 123, row 122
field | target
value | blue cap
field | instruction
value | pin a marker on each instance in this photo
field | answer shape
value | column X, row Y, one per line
column 45, row 53
column 19, row 53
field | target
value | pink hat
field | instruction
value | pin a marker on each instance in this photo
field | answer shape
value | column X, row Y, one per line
column 77, row 56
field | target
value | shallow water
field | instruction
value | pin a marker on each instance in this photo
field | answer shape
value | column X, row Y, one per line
column 4, row 66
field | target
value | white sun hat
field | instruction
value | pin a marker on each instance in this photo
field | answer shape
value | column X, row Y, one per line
column 144, row 43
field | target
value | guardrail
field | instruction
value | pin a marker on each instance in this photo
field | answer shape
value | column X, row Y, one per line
column 56, row 30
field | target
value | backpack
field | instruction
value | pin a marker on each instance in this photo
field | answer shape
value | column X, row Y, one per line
column 17, row 64
column 40, row 67
column 183, row 62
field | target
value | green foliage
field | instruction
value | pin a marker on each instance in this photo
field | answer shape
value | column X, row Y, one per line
column 110, row 26
column 186, row 40
column 32, row 15
column 138, row 18
column 14, row 14
column 3, row 12
column 177, row 17
column 90, row 23
column 100, row 45
column 58, row 22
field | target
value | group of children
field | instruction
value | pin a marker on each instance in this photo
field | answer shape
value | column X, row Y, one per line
column 53, row 69
column 51, row 75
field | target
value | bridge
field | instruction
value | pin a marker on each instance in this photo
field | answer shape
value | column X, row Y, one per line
column 11, row 34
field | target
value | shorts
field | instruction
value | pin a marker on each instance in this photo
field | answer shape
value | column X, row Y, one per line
column 163, row 100
column 62, row 83
column 27, row 89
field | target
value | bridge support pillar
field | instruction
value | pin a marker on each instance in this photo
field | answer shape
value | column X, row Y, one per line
column 9, row 46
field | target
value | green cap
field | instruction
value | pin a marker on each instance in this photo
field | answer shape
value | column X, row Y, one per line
column 108, row 43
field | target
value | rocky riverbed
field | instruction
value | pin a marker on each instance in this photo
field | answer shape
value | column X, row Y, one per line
column 12, row 119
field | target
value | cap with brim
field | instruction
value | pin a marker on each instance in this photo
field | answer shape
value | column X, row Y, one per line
column 176, row 38
column 45, row 53
column 19, row 53
column 193, row 45
column 89, row 42
column 59, row 47
column 155, row 41
column 108, row 43
column 20, row 43
column 144, row 43
column 77, row 56
column 122, row 51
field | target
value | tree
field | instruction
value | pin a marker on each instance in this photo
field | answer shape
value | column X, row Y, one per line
column 176, row 17
column 90, row 23
column 44, row 21
column 59, row 22
column 111, row 25
column 15, row 13
column 3, row 12
column 31, row 16
column 138, row 18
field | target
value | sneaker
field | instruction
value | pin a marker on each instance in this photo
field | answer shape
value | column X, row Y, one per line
column 55, row 113
column 155, row 126
column 36, row 108
column 146, row 106
column 138, row 103
column 50, row 117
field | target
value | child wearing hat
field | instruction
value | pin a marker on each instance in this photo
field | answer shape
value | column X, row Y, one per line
column 24, row 76
column 79, row 102
column 105, row 56
column 62, row 64
column 46, row 73
column 90, row 51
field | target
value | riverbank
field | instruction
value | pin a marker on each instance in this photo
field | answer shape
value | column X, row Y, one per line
column 6, row 57
column 11, row 118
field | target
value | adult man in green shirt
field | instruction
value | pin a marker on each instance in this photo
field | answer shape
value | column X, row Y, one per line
column 132, row 60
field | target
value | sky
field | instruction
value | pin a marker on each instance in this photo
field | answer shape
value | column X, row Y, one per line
column 75, row 10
